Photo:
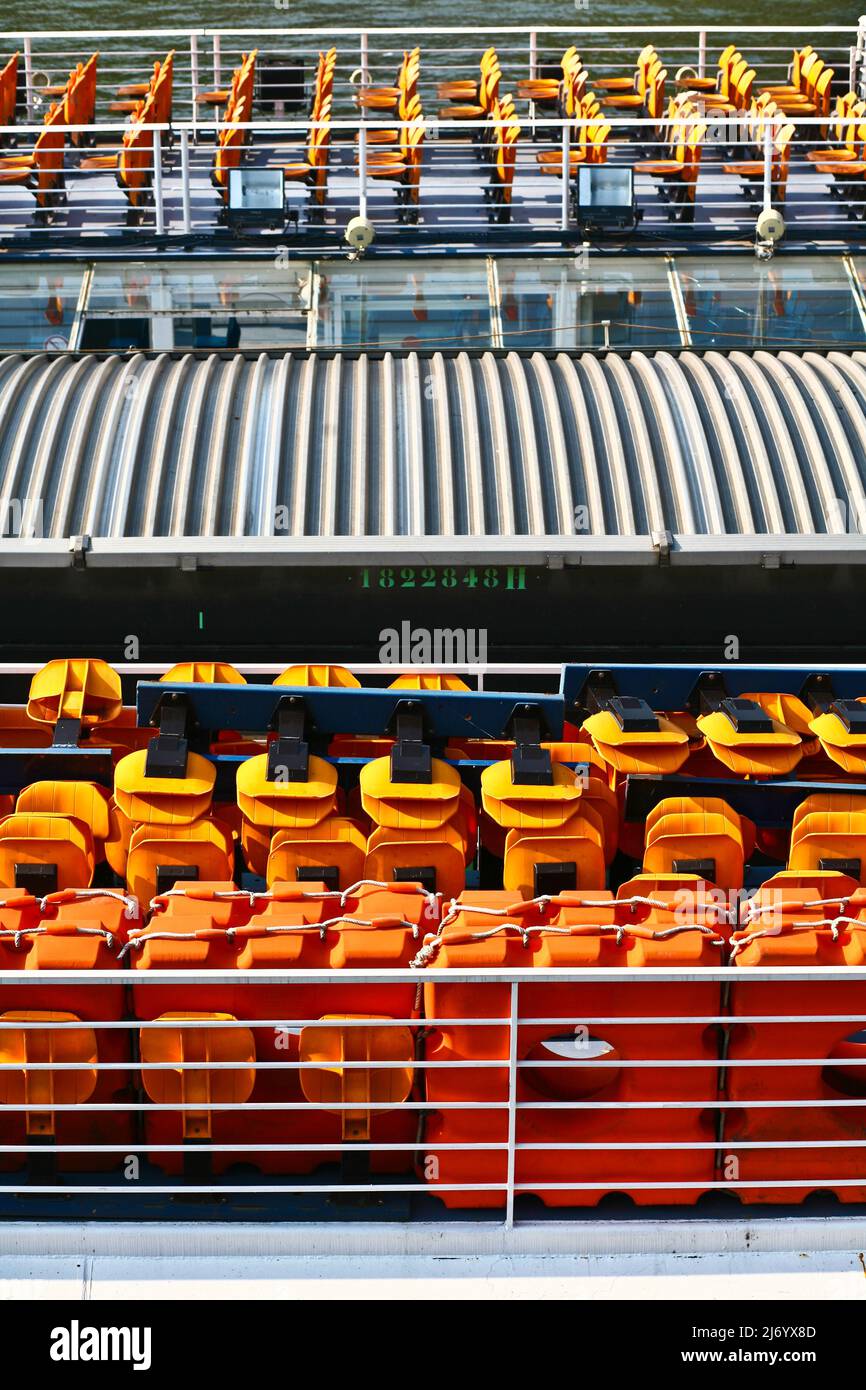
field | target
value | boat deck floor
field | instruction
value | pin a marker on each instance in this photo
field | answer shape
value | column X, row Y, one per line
column 452, row 196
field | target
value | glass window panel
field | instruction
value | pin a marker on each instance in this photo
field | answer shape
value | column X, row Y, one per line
column 217, row 304
column 560, row 303
column 404, row 304
column 37, row 306
column 792, row 300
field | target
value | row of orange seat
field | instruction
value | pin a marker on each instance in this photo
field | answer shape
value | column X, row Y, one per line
column 645, row 1084
column 642, row 1086
column 557, row 828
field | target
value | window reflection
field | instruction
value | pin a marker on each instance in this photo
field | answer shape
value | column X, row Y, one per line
column 732, row 303
column 217, row 305
column 37, row 306
column 564, row 304
column 398, row 306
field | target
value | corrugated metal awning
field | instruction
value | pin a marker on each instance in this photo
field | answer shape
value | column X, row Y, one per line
column 574, row 452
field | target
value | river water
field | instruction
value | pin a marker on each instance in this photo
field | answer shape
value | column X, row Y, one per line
column 94, row 14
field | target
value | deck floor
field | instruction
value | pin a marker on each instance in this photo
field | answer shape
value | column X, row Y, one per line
column 452, row 199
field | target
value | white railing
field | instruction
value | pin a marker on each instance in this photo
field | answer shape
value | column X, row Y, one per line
column 460, row 195
column 719, row 1175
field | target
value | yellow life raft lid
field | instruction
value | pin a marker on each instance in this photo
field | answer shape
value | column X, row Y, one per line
column 409, row 805
column 163, row 800
column 282, row 804
column 429, row 681
column 317, row 675
column 526, row 806
column 204, row 673
column 660, row 750
column 88, row 690
column 842, row 732
column 749, row 741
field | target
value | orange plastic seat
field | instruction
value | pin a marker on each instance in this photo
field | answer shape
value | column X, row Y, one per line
column 161, row 855
column 331, row 852
column 62, row 848
column 707, row 843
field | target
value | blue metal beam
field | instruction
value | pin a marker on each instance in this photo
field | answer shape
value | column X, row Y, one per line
column 668, row 686
column 767, row 803
column 21, row 766
column 350, row 710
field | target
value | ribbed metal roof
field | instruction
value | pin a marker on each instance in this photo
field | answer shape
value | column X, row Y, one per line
column 436, row 445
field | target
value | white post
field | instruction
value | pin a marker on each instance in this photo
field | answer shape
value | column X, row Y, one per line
column 533, row 73
column 702, row 53
column 566, row 172
column 157, row 182
column 217, row 62
column 184, row 180
column 362, row 170
column 365, row 59
column 193, row 69
column 28, row 77
column 768, row 165
column 512, row 1104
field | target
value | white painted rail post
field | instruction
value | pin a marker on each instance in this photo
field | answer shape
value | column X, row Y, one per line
column 702, row 53
column 193, row 73
column 157, row 182
column 533, row 73
column 362, row 170
column 512, row 1104
column 184, row 180
column 768, row 165
column 566, row 172
column 28, row 77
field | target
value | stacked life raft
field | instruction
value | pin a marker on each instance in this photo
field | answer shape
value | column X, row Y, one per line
column 315, row 825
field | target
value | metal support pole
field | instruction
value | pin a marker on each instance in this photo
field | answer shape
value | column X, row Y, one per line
column 512, row 1104
column 193, row 69
column 28, row 77
column 217, row 62
column 184, row 180
column 566, row 172
column 365, row 61
column 362, row 170
column 533, row 73
column 157, row 182
column 702, row 53
column 768, row 165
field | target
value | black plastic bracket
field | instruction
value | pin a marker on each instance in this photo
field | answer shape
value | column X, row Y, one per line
column 701, row 868
column 708, row 693
column 67, row 733
column 817, row 691
column 329, row 874
column 530, row 763
column 289, row 754
column 167, row 753
column 598, row 690
column 167, row 875
column 550, row 879
column 851, row 867
column 425, row 874
column 633, row 714
column 746, row 716
column 37, row 879
column 411, row 758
